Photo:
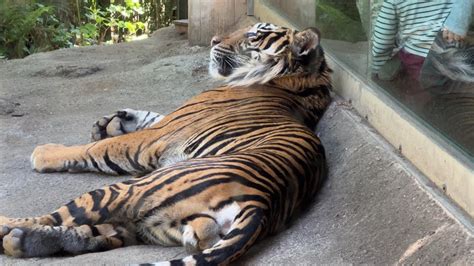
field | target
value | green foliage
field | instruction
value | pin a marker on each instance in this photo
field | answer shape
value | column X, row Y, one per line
column 161, row 13
column 120, row 19
column 30, row 28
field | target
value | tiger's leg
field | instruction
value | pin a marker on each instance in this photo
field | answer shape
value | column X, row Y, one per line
column 123, row 122
column 249, row 224
column 134, row 153
column 43, row 240
column 90, row 216
column 201, row 233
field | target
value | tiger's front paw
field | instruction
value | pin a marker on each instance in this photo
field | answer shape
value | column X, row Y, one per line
column 49, row 158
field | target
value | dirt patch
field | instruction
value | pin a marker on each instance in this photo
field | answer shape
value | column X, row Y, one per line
column 68, row 71
column 11, row 108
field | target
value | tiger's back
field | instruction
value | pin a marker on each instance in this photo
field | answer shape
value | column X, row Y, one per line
column 230, row 119
column 255, row 137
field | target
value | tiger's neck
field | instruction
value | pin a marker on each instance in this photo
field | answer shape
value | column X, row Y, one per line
column 312, row 91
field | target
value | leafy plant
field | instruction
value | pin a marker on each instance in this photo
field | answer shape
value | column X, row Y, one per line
column 30, row 28
column 120, row 21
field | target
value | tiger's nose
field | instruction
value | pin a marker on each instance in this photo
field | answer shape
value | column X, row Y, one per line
column 215, row 40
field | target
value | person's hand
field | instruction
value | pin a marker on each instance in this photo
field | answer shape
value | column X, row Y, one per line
column 451, row 36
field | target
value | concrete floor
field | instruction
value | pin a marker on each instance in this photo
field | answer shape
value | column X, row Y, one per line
column 373, row 210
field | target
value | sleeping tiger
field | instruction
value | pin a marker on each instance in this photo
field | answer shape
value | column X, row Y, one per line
column 229, row 167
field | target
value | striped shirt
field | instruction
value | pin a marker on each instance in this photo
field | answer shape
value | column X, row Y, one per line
column 411, row 25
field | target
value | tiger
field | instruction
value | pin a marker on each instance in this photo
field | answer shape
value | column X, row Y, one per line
column 229, row 167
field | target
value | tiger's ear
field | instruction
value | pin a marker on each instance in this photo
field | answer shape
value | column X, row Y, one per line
column 305, row 42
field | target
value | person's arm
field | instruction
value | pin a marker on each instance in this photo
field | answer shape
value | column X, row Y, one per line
column 457, row 23
column 384, row 35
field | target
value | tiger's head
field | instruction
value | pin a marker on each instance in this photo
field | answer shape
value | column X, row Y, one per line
column 263, row 52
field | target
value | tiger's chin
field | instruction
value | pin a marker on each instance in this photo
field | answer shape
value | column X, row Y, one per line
column 220, row 70
column 215, row 72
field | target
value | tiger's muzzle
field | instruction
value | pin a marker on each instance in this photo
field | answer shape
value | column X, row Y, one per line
column 223, row 61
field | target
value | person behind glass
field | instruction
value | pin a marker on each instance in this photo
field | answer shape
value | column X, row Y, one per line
column 457, row 24
column 408, row 28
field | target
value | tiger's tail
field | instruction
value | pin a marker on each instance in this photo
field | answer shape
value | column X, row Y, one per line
column 247, row 227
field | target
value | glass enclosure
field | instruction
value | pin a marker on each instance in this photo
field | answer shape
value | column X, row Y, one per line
column 421, row 53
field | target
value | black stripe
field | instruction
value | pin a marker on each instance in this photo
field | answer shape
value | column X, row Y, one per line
column 221, row 254
column 95, row 231
column 278, row 35
column 133, row 162
column 97, row 196
column 249, row 213
column 170, row 237
column 194, row 190
column 243, row 211
column 240, row 198
column 57, row 218
column 195, row 216
column 94, row 164
column 146, row 116
column 79, row 214
column 149, row 122
column 113, row 195
column 239, row 179
column 282, row 45
column 178, row 263
column 113, row 166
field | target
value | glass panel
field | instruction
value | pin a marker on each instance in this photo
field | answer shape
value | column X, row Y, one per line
column 345, row 27
column 430, row 75
column 301, row 12
column 400, row 46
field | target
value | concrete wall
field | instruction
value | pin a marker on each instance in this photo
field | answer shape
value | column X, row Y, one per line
column 210, row 17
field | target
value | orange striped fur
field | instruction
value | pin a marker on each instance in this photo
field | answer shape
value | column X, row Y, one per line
column 230, row 166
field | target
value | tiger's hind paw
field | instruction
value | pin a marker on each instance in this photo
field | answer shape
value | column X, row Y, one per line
column 120, row 123
column 4, row 230
column 5, row 226
column 123, row 122
column 11, row 242
column 29, row 242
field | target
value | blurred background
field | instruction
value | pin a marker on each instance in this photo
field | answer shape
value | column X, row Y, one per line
column 30, row 26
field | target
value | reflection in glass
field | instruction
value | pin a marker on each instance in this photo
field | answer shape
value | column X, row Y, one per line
column 429, row 74
column 399, row 44
column 345, row 30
